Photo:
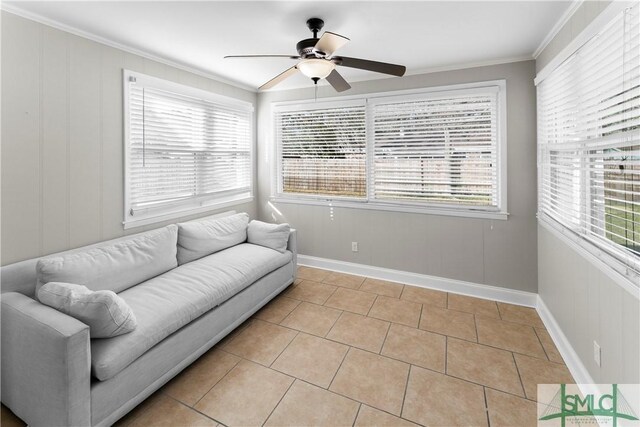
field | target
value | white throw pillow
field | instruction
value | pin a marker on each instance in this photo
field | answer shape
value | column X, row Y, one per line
column 274, row 236
column 201, row 238
column 106, row 314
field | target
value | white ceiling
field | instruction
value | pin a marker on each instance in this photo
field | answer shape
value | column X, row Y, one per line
column 419, row 34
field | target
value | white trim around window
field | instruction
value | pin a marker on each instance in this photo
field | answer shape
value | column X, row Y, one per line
column 186, row 150
column 366, row 149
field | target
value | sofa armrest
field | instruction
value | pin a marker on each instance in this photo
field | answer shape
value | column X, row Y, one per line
column 46, row 363
column 292, row 245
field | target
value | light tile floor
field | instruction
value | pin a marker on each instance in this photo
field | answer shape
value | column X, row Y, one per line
column 336, row 349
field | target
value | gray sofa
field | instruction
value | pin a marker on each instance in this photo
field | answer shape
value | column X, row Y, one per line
column 54, row 374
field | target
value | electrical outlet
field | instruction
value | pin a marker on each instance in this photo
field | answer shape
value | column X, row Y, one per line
column 596, row 353
column 354, row 246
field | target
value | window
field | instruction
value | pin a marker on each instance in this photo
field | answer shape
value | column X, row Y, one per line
column 323, row 150
column 589, row 144
column 187, row 150
column 440, row 150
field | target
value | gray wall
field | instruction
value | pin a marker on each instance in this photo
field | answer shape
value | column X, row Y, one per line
column 62, row 137
column 494, row 252
column 584, row 14
column 587, row 304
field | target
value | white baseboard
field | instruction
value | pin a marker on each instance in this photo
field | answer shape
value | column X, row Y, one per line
column 511, row 296
column 571, row 359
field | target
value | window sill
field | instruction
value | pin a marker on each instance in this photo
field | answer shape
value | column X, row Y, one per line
column 184, row 211
column 429, row 210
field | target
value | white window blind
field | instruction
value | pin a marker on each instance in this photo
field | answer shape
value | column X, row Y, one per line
column 185, row 148
column 437, row 149
column 589, row 143
column 322, row 151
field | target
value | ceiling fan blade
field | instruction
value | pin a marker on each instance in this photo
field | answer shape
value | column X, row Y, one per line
column 337, row 81
column 329, row 43
column 262, row 56
column 280, row 77
column 365, row 64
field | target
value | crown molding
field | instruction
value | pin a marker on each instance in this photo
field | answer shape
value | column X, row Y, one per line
column 15, row 10
column 466, row 65
column 564, row 18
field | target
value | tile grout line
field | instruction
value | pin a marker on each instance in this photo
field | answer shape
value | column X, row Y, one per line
column 283, row 350
column 541, row 344
column 338, row 370
column 192, row 408
column 240, row 359
column 129, row 422
column 475, row 324
column 384, row 341
column 357, row 414
column 406, row 389
column 337, row 393
column 446, row 354
column 374, row 303
column 478, row 384
column 333, row 326
column 524, row 392
column 340, row 395
column 536, row 356
column 325, row 389
column 486, row 406
column 332, row 294
column 279, row 401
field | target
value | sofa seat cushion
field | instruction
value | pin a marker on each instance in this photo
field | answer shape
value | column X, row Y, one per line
column 166, row 303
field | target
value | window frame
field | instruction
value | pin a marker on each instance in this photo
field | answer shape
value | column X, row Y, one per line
column 195, row 205
column 500, row 212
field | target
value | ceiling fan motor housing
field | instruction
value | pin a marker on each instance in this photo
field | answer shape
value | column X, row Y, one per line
column 305, row 48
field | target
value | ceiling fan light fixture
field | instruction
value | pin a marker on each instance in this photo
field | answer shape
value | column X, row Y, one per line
column 316, row 68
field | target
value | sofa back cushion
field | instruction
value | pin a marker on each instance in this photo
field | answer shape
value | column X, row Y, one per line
column 116, row 266
column 274, row 236
column 205, row 237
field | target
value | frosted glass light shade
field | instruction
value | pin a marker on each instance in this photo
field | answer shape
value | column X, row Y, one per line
column 316, row 68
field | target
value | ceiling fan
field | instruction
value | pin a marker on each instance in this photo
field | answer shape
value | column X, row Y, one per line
column 317, row 60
